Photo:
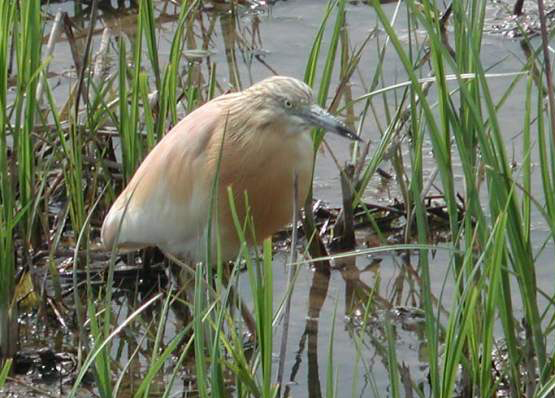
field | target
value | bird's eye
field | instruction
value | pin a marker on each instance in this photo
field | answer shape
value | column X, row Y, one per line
column 288, row 104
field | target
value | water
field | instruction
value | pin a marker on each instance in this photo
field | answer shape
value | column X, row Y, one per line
column 282, row 35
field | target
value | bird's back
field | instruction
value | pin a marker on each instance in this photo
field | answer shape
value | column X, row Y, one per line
column 166, row 200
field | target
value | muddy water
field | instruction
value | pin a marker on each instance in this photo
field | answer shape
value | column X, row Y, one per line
column 359, row 360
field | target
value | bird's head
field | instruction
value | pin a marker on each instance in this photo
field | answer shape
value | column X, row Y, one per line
column 290, row 100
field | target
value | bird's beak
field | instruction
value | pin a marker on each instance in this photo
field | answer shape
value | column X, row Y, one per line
column 320, row 118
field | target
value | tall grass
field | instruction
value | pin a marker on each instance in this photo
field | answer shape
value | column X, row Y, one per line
column 492, row 256
column 29, row 38
column 492, row 235
column 325, row 78
column 21, row 28
column 8, row 209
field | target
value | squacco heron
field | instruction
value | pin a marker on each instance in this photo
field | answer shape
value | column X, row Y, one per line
column 260, row 138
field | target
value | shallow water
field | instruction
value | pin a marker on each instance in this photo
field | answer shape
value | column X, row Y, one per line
column 286, row 32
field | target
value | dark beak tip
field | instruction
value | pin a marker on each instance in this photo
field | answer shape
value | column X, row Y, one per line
column 348, row 133
column 321, row 118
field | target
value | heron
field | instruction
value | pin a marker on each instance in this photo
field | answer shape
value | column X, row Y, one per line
column 252, row 142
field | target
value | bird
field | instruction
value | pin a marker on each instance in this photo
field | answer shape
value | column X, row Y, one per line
column 253, row 142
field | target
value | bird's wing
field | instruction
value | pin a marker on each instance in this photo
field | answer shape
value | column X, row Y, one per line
column 167, row 201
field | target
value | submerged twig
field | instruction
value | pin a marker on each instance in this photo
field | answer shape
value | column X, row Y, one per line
column 517, row 8
column 348, row 230
column 291, row 270
column 71, row 41
column 84, row 63
column 412, row 213
column 444, row 32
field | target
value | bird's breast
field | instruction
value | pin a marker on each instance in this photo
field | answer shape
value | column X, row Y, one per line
column 263, row 184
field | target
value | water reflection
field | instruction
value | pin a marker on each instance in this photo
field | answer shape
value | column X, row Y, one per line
column 317, row 295
column 358, row 293
column 372, row 323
